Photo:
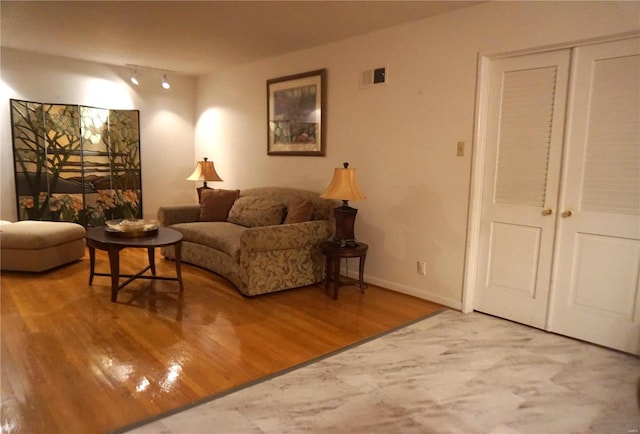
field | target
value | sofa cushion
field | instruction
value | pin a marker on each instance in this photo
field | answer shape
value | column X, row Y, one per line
column 322, row 208
column 299, row 210
column 221, row 236
column 215, row 204
column 254, row 211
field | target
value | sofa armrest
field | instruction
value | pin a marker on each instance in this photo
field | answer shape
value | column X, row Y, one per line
column 170, row 215
column 281, row 237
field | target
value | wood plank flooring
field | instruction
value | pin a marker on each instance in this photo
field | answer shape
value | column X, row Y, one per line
column 73, row 362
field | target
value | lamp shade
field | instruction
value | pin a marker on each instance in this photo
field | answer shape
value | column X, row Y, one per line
column 204, row 172
column 344, row 185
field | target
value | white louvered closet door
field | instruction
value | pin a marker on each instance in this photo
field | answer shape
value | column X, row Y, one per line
column 524, row 136
column 573, row 269
column 596, row 293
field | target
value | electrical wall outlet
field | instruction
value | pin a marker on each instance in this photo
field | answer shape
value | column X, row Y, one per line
column 422, row 268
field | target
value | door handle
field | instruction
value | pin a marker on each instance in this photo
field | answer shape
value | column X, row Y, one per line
column 566, row 214
column 547, row 211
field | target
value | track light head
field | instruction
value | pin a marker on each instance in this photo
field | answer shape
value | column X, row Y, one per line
column 134, row 77
column 165, row 83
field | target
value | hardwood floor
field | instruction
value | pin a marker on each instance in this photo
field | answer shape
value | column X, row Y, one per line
column 73, row 362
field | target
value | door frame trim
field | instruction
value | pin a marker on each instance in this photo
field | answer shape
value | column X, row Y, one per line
column 479, row 149
column 477, row 177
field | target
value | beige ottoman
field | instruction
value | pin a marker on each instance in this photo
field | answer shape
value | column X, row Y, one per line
column 31, row 245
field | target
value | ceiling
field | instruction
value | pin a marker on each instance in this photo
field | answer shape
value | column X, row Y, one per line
column 196, row 37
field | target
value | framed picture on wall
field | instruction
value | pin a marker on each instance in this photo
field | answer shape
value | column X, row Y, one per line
column 296, row 114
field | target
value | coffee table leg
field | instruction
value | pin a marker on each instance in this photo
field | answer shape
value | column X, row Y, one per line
column 92, row 263
column 178, row 251
column 152, row 259
column 114, row 263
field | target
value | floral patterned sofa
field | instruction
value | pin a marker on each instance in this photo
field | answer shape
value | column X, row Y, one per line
column 261, row 239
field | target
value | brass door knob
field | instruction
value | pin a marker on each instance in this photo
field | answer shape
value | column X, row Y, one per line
column 547, row 211
column 566, row 214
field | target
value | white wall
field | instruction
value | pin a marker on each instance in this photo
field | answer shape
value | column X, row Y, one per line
column 166, row 118
column 401, row 137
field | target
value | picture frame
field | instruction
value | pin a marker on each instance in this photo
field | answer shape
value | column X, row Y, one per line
column 296, row 113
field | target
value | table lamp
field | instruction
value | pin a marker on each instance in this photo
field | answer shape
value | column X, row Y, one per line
column 204, row 172
column 344, row 187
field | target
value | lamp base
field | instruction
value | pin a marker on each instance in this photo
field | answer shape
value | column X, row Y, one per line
column 345, row 221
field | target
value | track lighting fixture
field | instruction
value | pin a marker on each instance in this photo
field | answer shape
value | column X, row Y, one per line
column 165, row 83
column 135, row 75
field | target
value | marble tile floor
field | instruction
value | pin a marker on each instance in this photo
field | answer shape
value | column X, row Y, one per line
column 449, row 373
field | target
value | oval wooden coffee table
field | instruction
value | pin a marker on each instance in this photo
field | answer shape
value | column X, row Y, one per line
column 98, row 238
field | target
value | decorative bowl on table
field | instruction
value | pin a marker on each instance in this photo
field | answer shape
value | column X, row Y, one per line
column 131, row 228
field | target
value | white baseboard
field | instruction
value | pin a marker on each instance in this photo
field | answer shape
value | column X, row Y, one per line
column 420, row 293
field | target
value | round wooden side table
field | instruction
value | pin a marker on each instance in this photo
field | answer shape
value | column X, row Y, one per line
column 334, row 253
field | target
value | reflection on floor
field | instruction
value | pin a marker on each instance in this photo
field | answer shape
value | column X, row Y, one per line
column 449, row 373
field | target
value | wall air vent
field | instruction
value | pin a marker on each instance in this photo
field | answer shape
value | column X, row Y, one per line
column 372, row 77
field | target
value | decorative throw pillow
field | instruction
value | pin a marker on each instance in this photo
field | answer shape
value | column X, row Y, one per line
column 254, row 211
column 299, row 210
column 215, row 204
